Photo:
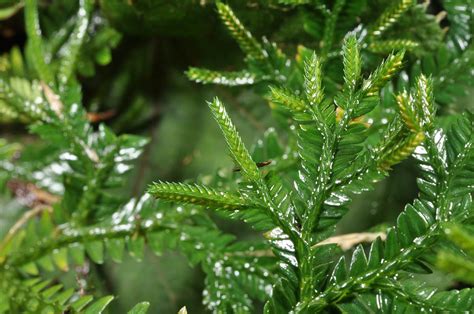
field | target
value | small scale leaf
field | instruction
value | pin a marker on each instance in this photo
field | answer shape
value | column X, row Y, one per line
column 77, row 253
column 98, row 306
column 95, row 250
column 140, row 308
column 358, row 262
column 136, row 247
column 60, row 259
column 79, row 304
column 115, row 248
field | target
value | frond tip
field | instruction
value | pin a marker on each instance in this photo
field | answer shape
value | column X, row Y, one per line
column 244, row 38
column 383, row 73
column 287, row 99
column 390, row 17
column 313, row 80
column 235, row 143
column 196, row 194
column 352, row 62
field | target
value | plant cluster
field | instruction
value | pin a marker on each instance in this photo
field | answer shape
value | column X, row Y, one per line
column 349, row 108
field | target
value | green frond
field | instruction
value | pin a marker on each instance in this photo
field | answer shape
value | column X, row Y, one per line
column 287, row 99
column 205, row 76
column 249, row 45
column 450, row 71
column 384, row 72
column 21, row 97
column 40, row 296
column 196, row 194
column 389, row 17
column 408, row 112
column 330, row 26
column 238, row 285
column 401, row 151
column 461, row 237
column 7, row 113
column 295, row 2
column 424, row 100
column 313, row 81
column 414, row 232
column 280, row 195
column 338, row 144
column 35, row 43
column 236, row 146
column 13, row 63
column 387, row 46
column 413, row 298
column 73, row 45
column 352, row 62
column 460, row 19
column 8, row 150
column 459, row 264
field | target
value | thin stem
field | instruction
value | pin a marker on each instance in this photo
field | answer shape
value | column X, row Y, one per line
column 67, row 236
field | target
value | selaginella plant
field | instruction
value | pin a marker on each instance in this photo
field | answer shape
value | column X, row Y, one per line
column 297, row 212
column 293, row 194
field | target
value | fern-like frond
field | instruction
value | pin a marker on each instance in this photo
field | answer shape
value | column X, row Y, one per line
column 390, row 16
column 387, row 46
column 244, row 38
column 329, row 27
column 23, row 98
column 39, row 296
column 205, row 76
column 383, row 73
column 419, row 226
column 460, row 19
column 313, row 81
column 352, row 62
column 72, row 47
column 236, row 146
column 287, row 99
column 412, row 299
column 35, row 44
column 197, row 194
column 459, row 263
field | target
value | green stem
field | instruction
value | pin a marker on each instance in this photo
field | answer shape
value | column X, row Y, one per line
column 66, row 236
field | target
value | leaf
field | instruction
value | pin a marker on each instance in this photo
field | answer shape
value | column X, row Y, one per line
column 183, row 310
column 140, row 308
column 99, row 305
column 115, row 248
column 95, row 250
column 60, row 259
column 136, row 247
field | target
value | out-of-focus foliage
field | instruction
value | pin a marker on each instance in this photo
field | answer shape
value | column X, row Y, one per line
column 336, row 96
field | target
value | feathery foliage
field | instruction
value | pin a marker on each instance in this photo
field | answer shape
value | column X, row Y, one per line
column 356, row 100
